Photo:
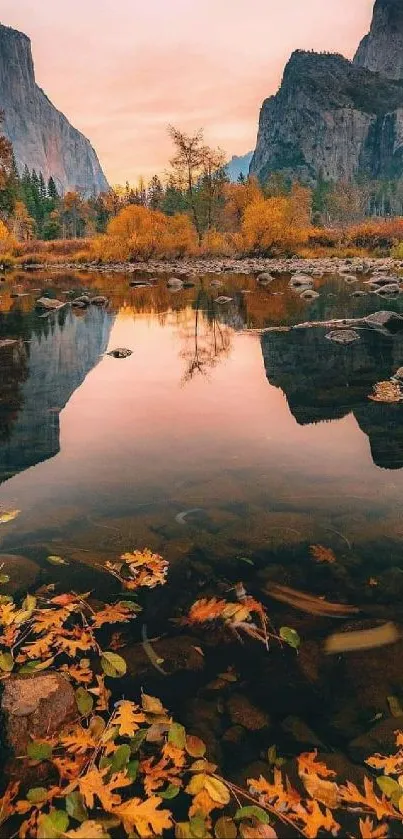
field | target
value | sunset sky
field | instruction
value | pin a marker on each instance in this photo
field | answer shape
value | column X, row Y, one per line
column 121, row 70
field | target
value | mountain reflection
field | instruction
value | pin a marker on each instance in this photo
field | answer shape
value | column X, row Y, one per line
column 324, row 381
column 38, row 377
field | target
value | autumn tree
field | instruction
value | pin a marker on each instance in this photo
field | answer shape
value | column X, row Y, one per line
column 237, row 197
column 22, row 224
column 155, row 194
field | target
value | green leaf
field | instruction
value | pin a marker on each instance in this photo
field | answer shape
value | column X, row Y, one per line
column 5, row 598
column 137, row 741
column 36, row 795
column 105, row 762
column 57, row 560
column 29, row 604
column 252, row 812
column 75, row 807
column 198, row 827
column 29, row 667
column 120, row 758
column 245, row 559
column 113, row 665
column 388, row 786
column 225, row 828
column 85, row 702
column 39, row 751
column 171, row 792
column 132, row 769
column 290, row 636
column 6, row 662
column 53, row 825
column 177, row 736
column 272, row 755
column 4, row 578
column 129, row 604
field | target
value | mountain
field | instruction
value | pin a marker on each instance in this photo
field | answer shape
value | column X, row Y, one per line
column 239, row 165
column 382, row 49
column 42, row 137
column 334, row 118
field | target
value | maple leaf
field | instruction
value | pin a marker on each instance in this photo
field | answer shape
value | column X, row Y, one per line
column 368, row 832
column 381, row 807
column 94, row 784
column 316, row 820
column 157, row 773
column 307, row 763
column 390, row 764
column 326, row 792
column 67, row 768
column 88, row 830
column 40, row 648
column 7, row 614
column 203, row 803
column 79, row 672
column 78, row 639
column 206, row 610
column 118, row 613
column 9, row 636
column 78, row 740
column 322, row 554
column 6, row 802
column 147, row 569
column 102, row 693
column 284, row 795
column 176, row 755
column 144, row 817
column 128, row 717
column 51, row 619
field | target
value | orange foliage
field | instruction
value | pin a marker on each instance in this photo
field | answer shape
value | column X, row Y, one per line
column 276, row 225
column 140, row 233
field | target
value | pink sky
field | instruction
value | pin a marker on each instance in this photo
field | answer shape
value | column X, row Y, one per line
column 121, row 70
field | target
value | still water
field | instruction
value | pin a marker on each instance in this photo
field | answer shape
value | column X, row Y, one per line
column 211, row 444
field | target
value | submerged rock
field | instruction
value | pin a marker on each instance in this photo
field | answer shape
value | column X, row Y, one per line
column 387, row 320
column 100, row 300
column 243, row 712
column 175, row 283
column 309, row 294
column 36, row 706
column 381, row 739
column 23, row 572
column 265, row 278
column 343, row 336
column 300, row 281
column 49, row 304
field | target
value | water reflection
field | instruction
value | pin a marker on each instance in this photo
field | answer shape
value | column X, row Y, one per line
column 38, row 376
column 325, row 381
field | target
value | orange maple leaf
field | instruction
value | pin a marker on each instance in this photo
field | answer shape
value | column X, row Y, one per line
column 94, row 784
column 390, row 764
column 78, row 740
column 78, row 639
column 368, row 832
column 381, row 807
column 316, row 820
column 284, row 795
column 51, row 619
column 128, row 717
column 144, row 817
column 308, row 763
column 118, row 613
column 322, row 554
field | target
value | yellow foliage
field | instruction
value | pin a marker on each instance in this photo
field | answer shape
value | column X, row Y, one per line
column 8, row 243
column 274, row 225
column 217, row 244
column 180, row 237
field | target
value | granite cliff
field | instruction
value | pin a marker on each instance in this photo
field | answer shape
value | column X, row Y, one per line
column 338, row 119
column 42, row 137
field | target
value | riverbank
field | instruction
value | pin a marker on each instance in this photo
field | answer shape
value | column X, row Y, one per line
column 248, row 265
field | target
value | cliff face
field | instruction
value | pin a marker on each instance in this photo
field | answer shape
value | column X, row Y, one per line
column 42, row 137
column 334, row 118
column 382, row 49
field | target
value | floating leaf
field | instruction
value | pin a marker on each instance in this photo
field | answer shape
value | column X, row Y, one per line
column 89, row 830
column 132, row 769
column 177, row 735
column 85, row 702
column 290, row 636
column 8, row 515
column 57, row 560
column 39, row 751
column 53, row 825
column 389, row 786
column 138, row 740
column 252, row 812
column 37, row 794
column 6, row 662
column 75, row 807
column 225, row 828
column 195, row 746
column 113, row 665
column 120, row 758
column 4, row 578
column 152, row 705
column 198, row 827
column 170, row 792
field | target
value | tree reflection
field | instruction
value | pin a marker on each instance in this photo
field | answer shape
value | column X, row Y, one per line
column 207, row 341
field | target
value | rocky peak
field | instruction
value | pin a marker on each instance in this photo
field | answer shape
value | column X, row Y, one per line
column 42, row 137
column 382, row 49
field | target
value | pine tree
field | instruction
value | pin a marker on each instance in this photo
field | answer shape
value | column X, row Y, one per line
column 155, row 193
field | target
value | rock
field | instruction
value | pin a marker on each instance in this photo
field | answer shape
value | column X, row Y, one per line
column 382, row 49
column 221, row 300
column 176, row 654
column 381, row 739
column 300, row 281
column 36, row 706
column 350, row 279
column 234, row 735
column 216, row 283
column 49, row 303
column 301, row 732
column 23, row 572
column 385, row 320
column 243, row 712
column 120, row 353
column 188, row 284
column 389, row 290
column 309, row 294
column 202, row 718
column 379, row 281
column 343, row 336
column 41, row 136
column 399, row 374
column 175, row 283
column 83, row 300
column 8, row 342
column 99, row 300
column 359, row 293
column 265, row 278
